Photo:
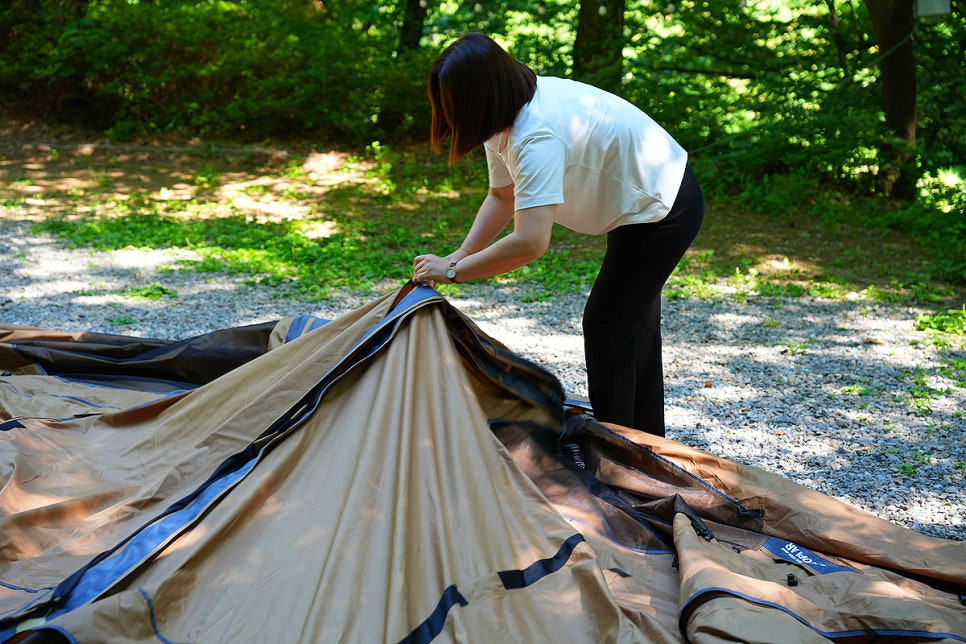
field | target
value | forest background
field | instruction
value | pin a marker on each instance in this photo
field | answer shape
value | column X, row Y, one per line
column 837, row 114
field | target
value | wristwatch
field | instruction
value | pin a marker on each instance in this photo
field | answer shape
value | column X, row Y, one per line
column 451, row 272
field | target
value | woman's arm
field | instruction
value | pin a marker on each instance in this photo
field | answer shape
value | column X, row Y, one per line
column 491, row 218
column 477, row 258
column 529, row 240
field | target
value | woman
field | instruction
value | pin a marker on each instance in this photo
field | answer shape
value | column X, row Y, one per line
column 563, row 152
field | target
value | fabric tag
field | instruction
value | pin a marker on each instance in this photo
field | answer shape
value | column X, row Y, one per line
column 793, row 553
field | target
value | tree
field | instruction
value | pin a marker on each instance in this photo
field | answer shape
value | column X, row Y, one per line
column 411, row 32
column 599, row 44
column 892, row 22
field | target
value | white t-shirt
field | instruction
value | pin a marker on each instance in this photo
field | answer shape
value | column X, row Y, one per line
column 600, row 159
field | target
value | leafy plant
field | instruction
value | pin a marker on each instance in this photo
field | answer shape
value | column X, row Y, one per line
column 907, row 469
column 858, row 390
column 796, row 348
column 122, row 320
column 950, row 322
column 153, row 291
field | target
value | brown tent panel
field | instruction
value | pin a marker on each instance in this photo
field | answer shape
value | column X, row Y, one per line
column 396, row 475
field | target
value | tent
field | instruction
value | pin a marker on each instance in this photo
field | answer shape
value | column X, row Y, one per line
column 396, row 475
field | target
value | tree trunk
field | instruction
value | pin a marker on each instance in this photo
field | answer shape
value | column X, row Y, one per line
column 599, row 45
column 392, row 116
column 892, row 22
column 411, row 32
column 837, row 37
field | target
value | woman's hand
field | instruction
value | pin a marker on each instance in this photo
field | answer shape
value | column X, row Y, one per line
column 430, row 269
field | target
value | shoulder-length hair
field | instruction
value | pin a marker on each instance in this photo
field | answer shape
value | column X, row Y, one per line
column 476, row 89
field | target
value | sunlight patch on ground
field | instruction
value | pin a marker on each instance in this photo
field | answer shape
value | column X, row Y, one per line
column 727, row 319
column 327, row 167
column 61, row 273
column 318, row 229
column 771, row 263
column 774, row 264
column 291, row 189
column 268, row 210
column 139, row 259
column 726, row 393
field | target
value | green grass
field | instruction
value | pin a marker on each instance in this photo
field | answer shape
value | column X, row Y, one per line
column 945, row 328
column 358, row 224
column 122, row 320
column 153, row 291
column 859, row 390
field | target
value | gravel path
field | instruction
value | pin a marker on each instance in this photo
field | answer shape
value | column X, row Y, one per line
column 846, row 397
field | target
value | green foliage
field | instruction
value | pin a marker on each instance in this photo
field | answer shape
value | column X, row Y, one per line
column 946, row 329
column 355, row 252
column 122, row 320
column 271, row 221
column 859, row 390
column 952, row 322
column 248, row 68
column 153, row 291
column 757, row 91
column 938, row 220
column 273, row 252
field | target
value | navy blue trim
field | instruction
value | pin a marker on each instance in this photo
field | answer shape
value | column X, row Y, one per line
column 7, row 425
column 511, row 579
column 420, row 293
column 90, row 581
column 433, row 625
column 154, row 622
column 84, row 401
column 700, row 597
column 579, row 404
column 23, row 588
column 793, row 553
column 539, row 569
column 303, row 324
column 161, row 386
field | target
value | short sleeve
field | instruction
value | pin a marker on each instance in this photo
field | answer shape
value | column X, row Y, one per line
column 498, row 172
column 540, row 163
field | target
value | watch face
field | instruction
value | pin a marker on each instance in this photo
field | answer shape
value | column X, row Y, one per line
column 450, row 273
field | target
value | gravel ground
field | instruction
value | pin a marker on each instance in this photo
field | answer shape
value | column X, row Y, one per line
column 846, row 397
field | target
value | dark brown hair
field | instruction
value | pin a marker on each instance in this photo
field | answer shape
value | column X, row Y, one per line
column 476, row 89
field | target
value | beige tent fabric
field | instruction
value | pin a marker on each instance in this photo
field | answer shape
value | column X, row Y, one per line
column 831, row 603
column 30, row 397
column 424, row 497
column 815, row 520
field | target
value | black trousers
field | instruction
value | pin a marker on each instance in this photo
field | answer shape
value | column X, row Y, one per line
column 622, row 317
